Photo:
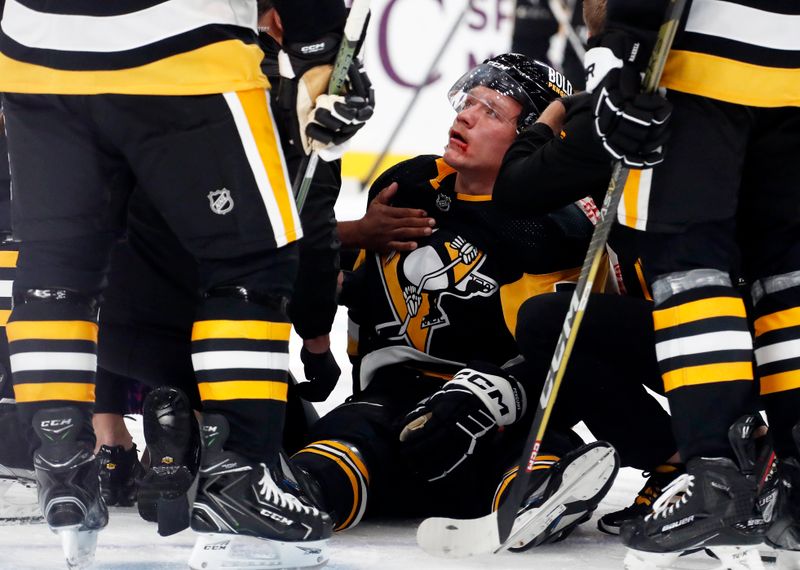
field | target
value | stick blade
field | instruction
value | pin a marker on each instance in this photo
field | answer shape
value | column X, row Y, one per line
column 458, row 538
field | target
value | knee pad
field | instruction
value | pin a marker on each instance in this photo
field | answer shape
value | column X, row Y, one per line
column 274, row 301
column 774, row 284
column 671, row 284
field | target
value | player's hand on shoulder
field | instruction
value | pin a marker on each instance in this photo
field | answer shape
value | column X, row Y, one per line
column 385, row 227
column 459, row 421
column 554, row 115
column 633, row 126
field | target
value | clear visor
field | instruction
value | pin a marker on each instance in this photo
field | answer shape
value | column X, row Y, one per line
column 463, row 93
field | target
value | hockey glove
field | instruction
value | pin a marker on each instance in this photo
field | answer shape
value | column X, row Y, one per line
column 322, row 374
column 459, row 421
column 633, row 126
column 323, row 122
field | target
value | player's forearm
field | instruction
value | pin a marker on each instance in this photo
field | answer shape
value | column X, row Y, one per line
column 349, row 233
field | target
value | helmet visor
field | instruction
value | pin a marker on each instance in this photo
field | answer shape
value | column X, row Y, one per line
column 499, row 84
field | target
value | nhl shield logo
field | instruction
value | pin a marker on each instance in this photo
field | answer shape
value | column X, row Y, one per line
column 221, row 201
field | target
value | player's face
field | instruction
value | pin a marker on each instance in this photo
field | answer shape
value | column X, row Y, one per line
column 482, row 132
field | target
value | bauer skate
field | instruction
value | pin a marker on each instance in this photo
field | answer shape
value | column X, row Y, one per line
column 563, row 495
column 173, row 441
column 69, row 488
column 252, row 516
column 120, row 473
column 711, row 507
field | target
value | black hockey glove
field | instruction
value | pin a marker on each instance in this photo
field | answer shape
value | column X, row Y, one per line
column 322, row 374
column 323, row 122
column 459, row 421
column 632, row 125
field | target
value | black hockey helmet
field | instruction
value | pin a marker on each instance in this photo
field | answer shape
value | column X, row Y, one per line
column 531, row 83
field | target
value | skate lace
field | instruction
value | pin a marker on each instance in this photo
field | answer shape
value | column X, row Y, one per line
column 274, row 494
column 672, row 497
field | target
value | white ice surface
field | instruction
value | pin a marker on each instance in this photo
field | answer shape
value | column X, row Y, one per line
column 130, row 543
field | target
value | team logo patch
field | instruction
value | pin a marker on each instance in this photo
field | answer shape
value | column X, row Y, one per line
column 221, row 201
column 443, row 202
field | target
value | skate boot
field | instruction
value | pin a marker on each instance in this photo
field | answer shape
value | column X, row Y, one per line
column 563, row 494
column 254, row 516
column 657, row 479
column 172, row 434
column 69, row 489
column 120, row 472
column 784, row 530
column 711, row 507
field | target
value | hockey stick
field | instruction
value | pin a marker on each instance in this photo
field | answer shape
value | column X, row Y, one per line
column 564, row 20
column 353, row 29
column 454, row 537
column 410, row 106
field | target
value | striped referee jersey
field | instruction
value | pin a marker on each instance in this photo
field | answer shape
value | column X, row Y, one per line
column 144, row 47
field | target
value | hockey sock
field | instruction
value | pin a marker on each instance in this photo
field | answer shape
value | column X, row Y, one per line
column 777, row 332
column 8, row 265
column 342, row 477
column 53, row 348
column 705, row 350
column 240, row 353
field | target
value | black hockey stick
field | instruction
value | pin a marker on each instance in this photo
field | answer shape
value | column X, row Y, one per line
column 353, row 29
column 454, row 537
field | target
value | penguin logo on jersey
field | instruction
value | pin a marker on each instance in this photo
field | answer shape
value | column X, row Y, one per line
column 416, row 282
column 443, row 202
column 221, row 201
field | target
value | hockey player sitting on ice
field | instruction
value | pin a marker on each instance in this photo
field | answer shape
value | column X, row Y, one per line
column 720, row 200
column 425, row 435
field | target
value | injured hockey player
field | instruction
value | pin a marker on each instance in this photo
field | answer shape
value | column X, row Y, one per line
column 440, row 410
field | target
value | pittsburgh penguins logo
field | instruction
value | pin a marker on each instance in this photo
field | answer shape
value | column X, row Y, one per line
column 415, row 284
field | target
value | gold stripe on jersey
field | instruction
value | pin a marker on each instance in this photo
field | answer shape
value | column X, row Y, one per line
column 698, row 310
column 780, row 382
column 633, row 207
column 474, row 197
column 443, row 170
column 256, row 109
column 251, row 330
column 707, row 374
column 221, row 67
column 642, row 281
column 243, row 390
column 8, row 258
column 4, row 314
column 52, row 330
column 47, row 391
column 778, row 320
column 730, row 80
column 512, row 295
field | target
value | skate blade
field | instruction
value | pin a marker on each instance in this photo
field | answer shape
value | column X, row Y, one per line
column 215, row 551
column 729, row 558
column 582, row 479
column 79, row 546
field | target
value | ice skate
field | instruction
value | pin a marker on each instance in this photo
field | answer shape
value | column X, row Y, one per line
column 711, row 507
column 784, row 529
column 642, row 505
column 254, row 516
column 120, row 472
column 173, row 440
column 564, row 496
column 69, row 488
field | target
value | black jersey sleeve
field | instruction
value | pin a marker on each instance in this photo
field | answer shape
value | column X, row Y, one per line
column 542, row 172
column 635, row 14
column 328, row 16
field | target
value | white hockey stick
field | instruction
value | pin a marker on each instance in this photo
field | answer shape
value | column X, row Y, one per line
column 456, row 537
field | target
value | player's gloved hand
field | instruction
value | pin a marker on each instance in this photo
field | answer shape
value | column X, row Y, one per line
column 322, row 374
column 458, row 421
column 324, row 121
column 632, row 125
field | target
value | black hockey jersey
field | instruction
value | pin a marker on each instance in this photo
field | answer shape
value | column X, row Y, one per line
column 151, row 47
column 739, row 51
column 455, row 297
